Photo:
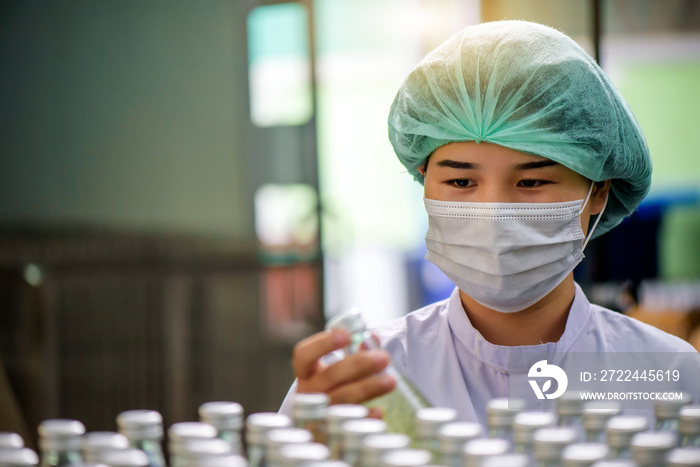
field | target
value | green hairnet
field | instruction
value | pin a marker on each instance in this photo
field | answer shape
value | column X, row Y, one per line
column 530, row 88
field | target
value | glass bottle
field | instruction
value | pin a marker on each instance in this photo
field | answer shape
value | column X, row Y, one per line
column 584, row 454
column 668, row 411
column 257, row 426
column 296, row 455
column 570, row 412
column 18, row 457
column 375, row 446
column 336, row 416
column 309, row 412
column 59, row 441
column 353, row 432
column 199, row 452
column 651, row 449
column 595, row 416
column 227, row 418
column 399, row 406
column 96, row 443
column 182, row 432
column 684, row 457
column 278, row 437
column 524, row 426
column 500, row 413
column 406, row 458
column 619, row 432
column 144, row 430
column 475, row 451
column 549, row 443
column 506, row 460
column 129, row 457
column 229, row 460
column 689, row 426
column 10, row 440
column 453, row 437
column 428, row 422
column 615, row 463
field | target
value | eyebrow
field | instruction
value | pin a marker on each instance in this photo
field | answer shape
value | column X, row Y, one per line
column 456, row 164
column 536, row 165
column 452, row 164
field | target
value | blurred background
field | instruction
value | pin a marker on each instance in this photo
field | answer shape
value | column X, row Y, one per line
column 189, row 188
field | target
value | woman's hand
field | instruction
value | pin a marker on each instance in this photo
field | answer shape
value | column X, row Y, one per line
column 354, row 380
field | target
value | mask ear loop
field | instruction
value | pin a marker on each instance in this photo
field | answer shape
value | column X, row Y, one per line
column 597, row 219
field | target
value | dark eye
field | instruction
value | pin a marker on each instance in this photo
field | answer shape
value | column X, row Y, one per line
column 531, row 183
column 461, row 182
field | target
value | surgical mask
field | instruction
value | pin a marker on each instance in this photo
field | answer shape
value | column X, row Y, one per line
column 506, row 256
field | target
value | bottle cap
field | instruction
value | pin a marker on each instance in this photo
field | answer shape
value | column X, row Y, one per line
column 597, row 414
column 477, row 449
column 312, row 406
column 258, row 424
column 139, row 425
column 296, row 454
column 616, row 463
column 327, row 463
column 506, row 460
column 18, row 457
column 126, row 458
column 374, row 446
column 60, row 435
column 222, row 415
column 228, row 460
column 665, row 409
column 526, row 423
column 621, row 428
column 278, row 437
column 350, row 321
column 354, row 431
column 570, row 403
column 406, row 458
column 95, row 443
column 501, row 411
column 337, row 414
column 453, row 436
column 689, row 420
column 199, row 451
column 550, row 442
column 681, row 457
column 583, row 454
column 430, row 419
column 181, row 432
column 10, row 440
column 652, row 447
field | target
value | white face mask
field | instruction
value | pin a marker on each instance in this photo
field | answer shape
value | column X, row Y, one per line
column 506, row 256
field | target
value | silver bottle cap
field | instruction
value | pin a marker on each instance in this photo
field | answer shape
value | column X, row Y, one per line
column 583, row 454
column 682, row 457
column 621, row 428
column 139, row 425
column 223, row 416
column 652, row 447
column 615, row 463
column 430, row 419
column 327, row 463
column 18, row 457
column 549, row 443
column 476, row 450
column 126, row 458
column 350, row 321
column 96, row 443
column 453, row 436
column 181, row 432
column 10, row 440
column 406, row 458
column 340, row 413
column 258, row 424
column 506, row 460
column 60, row 435
column 228, row 460
column 665, row 409
column 689, row 420
column 375, row 446
column 501, row 411
column 278, row 437
column 298, row 454
column 313, row 406
column 597, row 414
column 199, row 451
column 354, row 431
column 526, row 423
column 570, row 403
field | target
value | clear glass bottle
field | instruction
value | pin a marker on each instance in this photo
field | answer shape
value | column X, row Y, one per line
column 353, row 432
column 182, row 432
column 500, row 413
column 570, row 413
column 651, row 449
column 10, row 440
column 595, row 416
column 406, row 458
column 18, row 457
column 584, row 454
column 229, row 460
column 257, row 426
column 375, row 446
column 453, row 437
column 524, row 426
column 96, row 443
column 506, row 460
column 619, row 432
column 129, row 457
column 428, row 423
column 399, row 406
column 336, row 416
column 59, row 442
column 549, row 443
column 227, row 418
column 615, row 463
column 144, row 430
column 475, row 451
column 667, row 412
column 689, row 426
column 296, row 455
column 309, row 412
column 684, row 457
column 278, row 437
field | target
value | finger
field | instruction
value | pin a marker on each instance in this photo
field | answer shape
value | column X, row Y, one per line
column 362, row 390
column 351, row 368
column 307, row 351
column 372, row 343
